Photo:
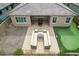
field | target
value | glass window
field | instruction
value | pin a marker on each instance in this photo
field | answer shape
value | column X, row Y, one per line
column 16, row 19
column 24, row 19
column 20, row 19
column 54, row 19
column 68, row 19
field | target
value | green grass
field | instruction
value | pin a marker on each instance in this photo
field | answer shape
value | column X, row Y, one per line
column 69, row 38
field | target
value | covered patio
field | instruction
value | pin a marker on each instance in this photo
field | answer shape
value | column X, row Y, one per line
column 40, row 20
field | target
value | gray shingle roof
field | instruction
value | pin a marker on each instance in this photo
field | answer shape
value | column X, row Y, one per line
column 42, row 9
column 76, row 4
column 3, row 5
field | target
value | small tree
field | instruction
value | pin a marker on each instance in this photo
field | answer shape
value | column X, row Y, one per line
column 18, row 51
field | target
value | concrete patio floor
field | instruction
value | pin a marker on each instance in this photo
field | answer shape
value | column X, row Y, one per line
column 12, row 39
column 16, row 37
column 54, row 49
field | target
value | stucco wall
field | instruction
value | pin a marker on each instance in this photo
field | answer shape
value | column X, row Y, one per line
column 28, row 21
column 60, row 22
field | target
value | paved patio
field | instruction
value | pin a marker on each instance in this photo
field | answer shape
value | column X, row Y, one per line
column 15, row 38
column 12, row 39
column 54, row 49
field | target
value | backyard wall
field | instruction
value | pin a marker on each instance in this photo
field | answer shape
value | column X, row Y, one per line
column 28, row 21
column 60, row 22
column 4, row 25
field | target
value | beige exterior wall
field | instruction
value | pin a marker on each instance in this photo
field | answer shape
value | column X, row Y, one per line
column 60, row 22
column 27, row 23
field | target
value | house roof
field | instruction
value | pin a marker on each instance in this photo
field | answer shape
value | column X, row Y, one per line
column 76, row 4
column 2, row 17
column 42, row 9
column 3, row 5
column 75, row 7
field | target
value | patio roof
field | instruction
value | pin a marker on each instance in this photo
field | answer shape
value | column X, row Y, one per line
column 42, row 9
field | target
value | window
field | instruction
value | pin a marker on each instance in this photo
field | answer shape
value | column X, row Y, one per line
column 68, row 19
column 54, row 19
column 20, row 19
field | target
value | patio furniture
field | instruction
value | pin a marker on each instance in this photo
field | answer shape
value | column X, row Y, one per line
column 46, row 44
column 47, row 38
column 34, row 40
column 44, row 34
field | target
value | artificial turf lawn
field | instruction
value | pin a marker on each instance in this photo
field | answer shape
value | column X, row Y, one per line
column 69, row 38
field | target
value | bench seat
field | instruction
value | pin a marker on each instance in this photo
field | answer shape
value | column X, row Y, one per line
column 34, row 40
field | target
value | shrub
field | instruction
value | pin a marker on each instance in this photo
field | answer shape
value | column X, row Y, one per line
column 1, row 52
column 18, row 51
